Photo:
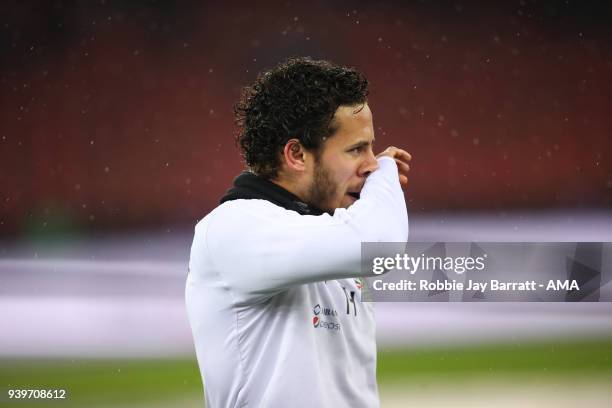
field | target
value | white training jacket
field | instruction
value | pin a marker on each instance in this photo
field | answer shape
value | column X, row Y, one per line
column 275, row 306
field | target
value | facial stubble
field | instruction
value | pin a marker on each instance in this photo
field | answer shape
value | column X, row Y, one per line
column 323, row 188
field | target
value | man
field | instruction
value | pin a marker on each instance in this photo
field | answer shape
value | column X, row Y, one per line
column 272, row 295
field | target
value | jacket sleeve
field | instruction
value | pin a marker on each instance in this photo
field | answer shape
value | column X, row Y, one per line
column 262, row 252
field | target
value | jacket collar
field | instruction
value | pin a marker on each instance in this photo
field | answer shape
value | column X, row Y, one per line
column 249, row 186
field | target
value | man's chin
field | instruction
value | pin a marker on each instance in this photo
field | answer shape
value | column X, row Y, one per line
column 347, row 201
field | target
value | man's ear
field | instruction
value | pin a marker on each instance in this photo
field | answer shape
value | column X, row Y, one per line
column 295, row 155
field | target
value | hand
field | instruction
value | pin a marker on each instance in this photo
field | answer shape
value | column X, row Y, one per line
column 402, row 158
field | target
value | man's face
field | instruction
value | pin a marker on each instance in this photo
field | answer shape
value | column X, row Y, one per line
column 344, row 161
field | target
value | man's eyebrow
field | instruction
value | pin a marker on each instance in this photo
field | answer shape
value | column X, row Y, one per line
column 360, row 144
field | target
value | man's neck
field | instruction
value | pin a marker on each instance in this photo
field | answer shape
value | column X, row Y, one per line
column 291, row 186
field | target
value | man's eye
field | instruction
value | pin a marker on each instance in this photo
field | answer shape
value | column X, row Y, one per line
column 356, row 149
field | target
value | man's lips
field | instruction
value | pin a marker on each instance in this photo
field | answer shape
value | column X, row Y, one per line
column 355, row 195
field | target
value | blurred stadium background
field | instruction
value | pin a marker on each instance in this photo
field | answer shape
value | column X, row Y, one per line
column 116, row 137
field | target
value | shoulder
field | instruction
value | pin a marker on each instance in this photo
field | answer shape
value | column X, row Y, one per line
column 241, row 217
column 247, row 211
column 260, row 213
column 252, row 220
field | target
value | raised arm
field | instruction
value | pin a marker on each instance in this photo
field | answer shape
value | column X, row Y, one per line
column 266, row 249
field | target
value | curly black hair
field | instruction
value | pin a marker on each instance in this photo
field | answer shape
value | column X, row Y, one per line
column 296, row 99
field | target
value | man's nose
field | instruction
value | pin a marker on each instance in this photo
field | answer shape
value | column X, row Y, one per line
column 370, row 165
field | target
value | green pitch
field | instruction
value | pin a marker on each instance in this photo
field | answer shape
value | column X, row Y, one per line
column 158, row 383
column 585, row 357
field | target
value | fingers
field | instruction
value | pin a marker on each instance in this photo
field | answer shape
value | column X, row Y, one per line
column 401, row 158
column 396, row 153
column 402, row 154
column 402, row 167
